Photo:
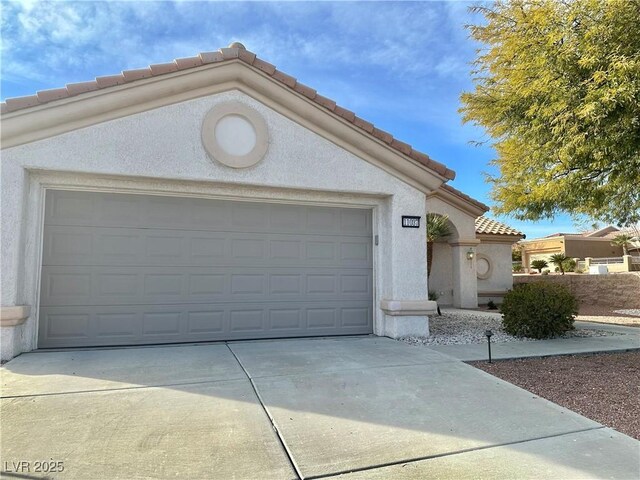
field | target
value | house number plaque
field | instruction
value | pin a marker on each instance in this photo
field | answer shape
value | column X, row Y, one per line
column 410, row 221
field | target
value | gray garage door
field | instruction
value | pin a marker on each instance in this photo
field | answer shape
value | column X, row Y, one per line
column 138, row 269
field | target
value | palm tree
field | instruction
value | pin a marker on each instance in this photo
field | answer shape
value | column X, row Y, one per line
column 437, row 229
column 539, row 265
column 558, row 259
column 623, row 240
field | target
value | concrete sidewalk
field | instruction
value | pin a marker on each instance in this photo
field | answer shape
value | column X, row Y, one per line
column 625, row 338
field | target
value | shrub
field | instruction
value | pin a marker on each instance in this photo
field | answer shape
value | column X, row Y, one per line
column 433, row 296
column 491, row 305
column 559, row 259
column 545, row 272
column 569, row 265
column 539, row 265
column 538, row 310
column 517, row 268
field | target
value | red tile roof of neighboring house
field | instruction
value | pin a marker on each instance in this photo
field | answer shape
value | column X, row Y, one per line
column 235, row 51
column 486, row 225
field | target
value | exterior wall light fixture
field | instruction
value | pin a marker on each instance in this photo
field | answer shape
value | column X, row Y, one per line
column 470, row 254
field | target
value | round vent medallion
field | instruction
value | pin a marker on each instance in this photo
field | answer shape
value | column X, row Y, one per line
column 235, row 135
column 483, row 266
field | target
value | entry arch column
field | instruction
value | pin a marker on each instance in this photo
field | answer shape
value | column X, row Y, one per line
column 464, row 276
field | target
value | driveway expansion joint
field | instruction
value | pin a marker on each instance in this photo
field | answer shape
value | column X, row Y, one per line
column 448, row 454
column 279, row 436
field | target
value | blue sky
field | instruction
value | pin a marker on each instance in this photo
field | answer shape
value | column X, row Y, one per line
column 399, row 65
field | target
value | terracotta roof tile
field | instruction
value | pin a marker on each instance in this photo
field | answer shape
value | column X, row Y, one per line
column 246, row 56
column 457, row 192
column 363, row 124
column 188, row 62
column 325, row 102
column 110, row 80
column 210, row 57
column 82, row 87
column 266, row 67
column 230, row 53
column 18, row 103
column 489, row 226
column 305, row 90
column 162, row 68
column 138, row 74
column 45, row 96
column 233, row 52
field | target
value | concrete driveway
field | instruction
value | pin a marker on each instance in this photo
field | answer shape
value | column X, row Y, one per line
column 361, row 407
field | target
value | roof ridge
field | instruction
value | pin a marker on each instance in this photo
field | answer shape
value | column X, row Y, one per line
column 235, row 52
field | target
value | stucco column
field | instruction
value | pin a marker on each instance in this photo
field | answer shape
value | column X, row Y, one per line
column 465, row 283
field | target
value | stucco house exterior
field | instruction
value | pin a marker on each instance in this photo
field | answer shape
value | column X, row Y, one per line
column 214, row 198
column 492, row 260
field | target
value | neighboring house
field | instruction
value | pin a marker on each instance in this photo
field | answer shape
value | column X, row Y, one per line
column 493, row 266
column 594, row 244
column 214, row 198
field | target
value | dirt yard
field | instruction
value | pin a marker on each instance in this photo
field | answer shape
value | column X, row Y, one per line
column 603, row 387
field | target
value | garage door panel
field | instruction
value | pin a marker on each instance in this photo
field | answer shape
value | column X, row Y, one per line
column 165, row 212
column 132, row 269
column 78, row 245
column 98, row 285
column 69, row 326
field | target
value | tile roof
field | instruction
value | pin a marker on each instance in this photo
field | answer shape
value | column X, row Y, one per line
column 486, row 225
column 464, row 196
column 235, row 52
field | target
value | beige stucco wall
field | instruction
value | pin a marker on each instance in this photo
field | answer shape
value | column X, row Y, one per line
column 582, row 248
column 159, row 151
column 501, row 276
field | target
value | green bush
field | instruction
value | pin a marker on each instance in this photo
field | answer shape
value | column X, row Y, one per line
column 538, row 310
column 569, row 265
column 539, row 265
column 517, row 268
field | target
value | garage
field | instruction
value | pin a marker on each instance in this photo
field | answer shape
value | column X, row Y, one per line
column 208, row 199
column 130, row 269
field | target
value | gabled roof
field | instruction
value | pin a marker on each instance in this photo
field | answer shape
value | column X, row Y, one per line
column 488, row 226
column 235, row 52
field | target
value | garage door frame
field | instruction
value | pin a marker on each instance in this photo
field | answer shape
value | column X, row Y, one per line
column 41, row 181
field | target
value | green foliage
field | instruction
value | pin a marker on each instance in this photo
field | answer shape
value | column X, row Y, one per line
column 623, row 240
column 491, row 305
column 538, row 310
column 433, row 296
column 517, row 268
column 438, row 228
column 557, row 88
column 539, row 265
column 558, row 259
column 569, row 265
column 516, row 253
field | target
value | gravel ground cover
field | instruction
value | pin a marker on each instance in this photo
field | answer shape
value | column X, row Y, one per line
column 465, row 327
column 603, row 387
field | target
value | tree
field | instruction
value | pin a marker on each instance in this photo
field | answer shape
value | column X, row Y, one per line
column 557, row 88
column 539, row 265
column 437, row 229
column 558, row 260
column 623, row 240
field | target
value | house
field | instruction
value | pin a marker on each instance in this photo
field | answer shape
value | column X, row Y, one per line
column 214, row 198
column 493, row 266
column 594, row 244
